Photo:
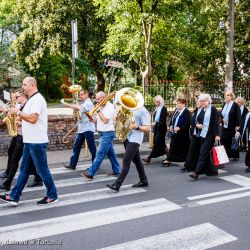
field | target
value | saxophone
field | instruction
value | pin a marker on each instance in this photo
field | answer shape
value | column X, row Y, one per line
column 11, row 121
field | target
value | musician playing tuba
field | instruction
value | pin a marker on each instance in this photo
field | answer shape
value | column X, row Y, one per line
column 132, row 100
column 105, row 126
column 86, row 129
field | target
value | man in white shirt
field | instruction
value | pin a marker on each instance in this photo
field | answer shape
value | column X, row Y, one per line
column 35, row 138
column 106, row 130
column 86, row 129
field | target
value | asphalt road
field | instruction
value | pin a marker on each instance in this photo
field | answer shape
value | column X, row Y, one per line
column 173, row 212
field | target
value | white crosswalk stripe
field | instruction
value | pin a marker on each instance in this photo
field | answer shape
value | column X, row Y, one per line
column 199, row 235
column 62, row 170
column 70, row 199
column 183, row 239
column 71, row 223
column 73, row 182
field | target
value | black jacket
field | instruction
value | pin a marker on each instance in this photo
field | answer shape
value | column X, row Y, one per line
column 234, row 117
column 213, row 129
column 162, row 123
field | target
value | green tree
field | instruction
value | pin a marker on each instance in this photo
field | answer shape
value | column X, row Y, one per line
column 45, row 28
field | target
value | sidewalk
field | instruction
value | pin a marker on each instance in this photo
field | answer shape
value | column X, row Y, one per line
column 56, row 158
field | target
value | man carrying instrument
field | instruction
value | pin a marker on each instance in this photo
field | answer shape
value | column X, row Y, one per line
column 106, row 130
column 86, row 129
column 15, row 150
column 132, row 144
column 35, row 138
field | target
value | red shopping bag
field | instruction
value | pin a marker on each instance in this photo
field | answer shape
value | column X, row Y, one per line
column 215, row 159
column 219, row 155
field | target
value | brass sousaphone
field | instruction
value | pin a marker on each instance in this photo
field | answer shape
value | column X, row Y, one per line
column 130, row 100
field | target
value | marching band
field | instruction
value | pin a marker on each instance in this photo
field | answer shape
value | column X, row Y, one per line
column 192, row 136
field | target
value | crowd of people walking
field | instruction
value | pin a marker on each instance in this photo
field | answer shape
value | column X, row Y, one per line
column 192, row 133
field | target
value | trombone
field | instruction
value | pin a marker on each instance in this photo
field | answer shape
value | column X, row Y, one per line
column 89, row 115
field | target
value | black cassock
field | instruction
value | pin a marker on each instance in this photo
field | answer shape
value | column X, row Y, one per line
column 193, row 153
column 246, row 134
column 234, row 120
column 160, row 129
column 179, row 145
column 204, row 164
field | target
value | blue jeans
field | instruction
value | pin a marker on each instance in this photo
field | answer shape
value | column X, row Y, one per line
column 80, row 138
column 105, row 148
column 36, row 152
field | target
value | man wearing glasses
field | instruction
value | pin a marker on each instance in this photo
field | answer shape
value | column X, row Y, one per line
column 15, row 151
column 86, row 130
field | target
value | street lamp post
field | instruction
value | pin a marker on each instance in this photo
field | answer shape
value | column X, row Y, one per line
column 230, row 47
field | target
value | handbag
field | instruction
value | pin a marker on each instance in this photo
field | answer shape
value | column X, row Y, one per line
column 219, row 155
column 235, row 143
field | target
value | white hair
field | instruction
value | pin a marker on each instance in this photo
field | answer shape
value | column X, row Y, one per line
column 205, row 97
column 159, row 99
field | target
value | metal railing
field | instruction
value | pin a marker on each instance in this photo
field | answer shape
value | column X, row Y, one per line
column 171, row 89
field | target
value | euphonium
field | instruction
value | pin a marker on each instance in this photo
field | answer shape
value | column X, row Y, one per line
column 130, row 99
column 11, row 121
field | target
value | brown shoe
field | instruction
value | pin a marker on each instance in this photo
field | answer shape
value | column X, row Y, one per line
column 147, row 160
column 85, row 174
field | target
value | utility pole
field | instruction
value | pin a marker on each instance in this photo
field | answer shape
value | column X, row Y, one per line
column 74, row 48
column 230, row 47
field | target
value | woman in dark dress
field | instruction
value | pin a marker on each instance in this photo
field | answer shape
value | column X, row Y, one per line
column 243, row 111
column 193, row 153
column 231, row 122
column 159, row 129
column 246, row 134
column 179, row 127
column 208, row 130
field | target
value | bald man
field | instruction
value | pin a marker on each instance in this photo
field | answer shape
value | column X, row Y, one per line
column 106, row 130
column 35, row 138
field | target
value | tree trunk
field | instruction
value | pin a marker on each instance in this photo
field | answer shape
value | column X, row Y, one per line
column 230, row 47
column 100, row 81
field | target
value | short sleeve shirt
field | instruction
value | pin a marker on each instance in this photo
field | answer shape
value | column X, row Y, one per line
column 142, row 117
column 109, row 112
column 38, row 132
column 85, row 125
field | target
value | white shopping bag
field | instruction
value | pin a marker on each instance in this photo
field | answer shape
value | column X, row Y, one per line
column 219, row 155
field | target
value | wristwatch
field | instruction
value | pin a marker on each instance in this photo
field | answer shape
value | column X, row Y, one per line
column 138, row 127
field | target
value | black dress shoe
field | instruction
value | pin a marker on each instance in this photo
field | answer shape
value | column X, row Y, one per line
column 140, row 184
column 68, row 166
column 194, row 176
column 2, row 186
column 35, row 184
column 3, row 175
column 113, row 187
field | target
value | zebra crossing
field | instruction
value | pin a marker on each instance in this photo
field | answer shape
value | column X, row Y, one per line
column 192, row 237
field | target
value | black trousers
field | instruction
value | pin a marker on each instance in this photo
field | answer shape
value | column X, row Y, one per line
column 131, row 154
column 204, row 161
column 15, row 152
column 193, row 153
